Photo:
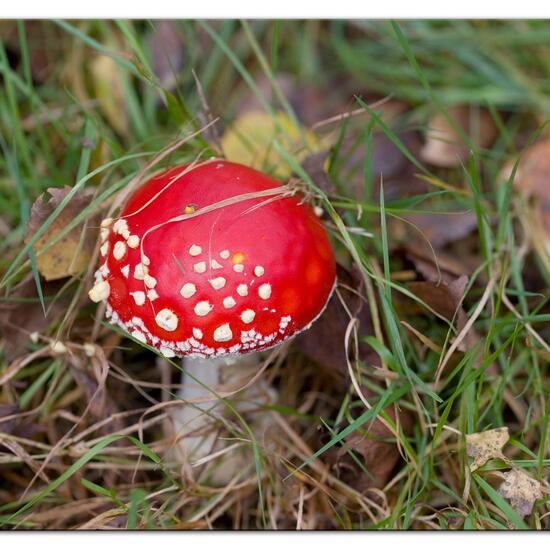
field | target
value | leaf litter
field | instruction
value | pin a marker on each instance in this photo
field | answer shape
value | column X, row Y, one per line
column 363, row 479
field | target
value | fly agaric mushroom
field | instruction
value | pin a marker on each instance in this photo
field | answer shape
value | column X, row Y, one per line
column 214, row 260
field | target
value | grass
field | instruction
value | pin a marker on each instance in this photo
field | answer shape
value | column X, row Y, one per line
column 90, row 447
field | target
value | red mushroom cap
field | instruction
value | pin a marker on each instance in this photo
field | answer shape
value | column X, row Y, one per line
column 212, row 260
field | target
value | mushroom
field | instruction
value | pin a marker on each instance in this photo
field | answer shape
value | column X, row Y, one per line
column 213, row 261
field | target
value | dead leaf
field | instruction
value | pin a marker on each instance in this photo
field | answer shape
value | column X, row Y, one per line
column 447, row 269
column 484, row 446
column 532, row 173
column 314, row 166
column 321, row 107
column 444, row 146
column 441, row 229
column 310, row 103
column 109, row 90
column 532, row 180
column 521, row 490
column 249, row 140
column 378, row 456
column 389, row 165
column 66, row 257
column 444, row 298
column 324, row 342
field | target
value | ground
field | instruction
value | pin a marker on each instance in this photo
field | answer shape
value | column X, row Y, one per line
column 419, row 399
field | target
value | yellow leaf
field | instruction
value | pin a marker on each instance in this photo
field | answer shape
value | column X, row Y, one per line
column 249, row 140
column 72, row 253
column 486, row 445
column 521, row 490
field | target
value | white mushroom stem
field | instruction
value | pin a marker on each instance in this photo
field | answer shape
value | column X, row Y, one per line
column 192, row 422
column 195, row 425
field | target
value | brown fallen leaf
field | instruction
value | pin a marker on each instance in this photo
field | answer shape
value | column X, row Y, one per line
column 445, row 299
column 484, row 446
column 321, row 107
column 444, row 146
column 441, row 229
column 373, row 448
column 324, row 342
column 532, row 172
column 447, row 268
column 521, row 490
column 310, row 103
column 532, row 180
column 389, row 165
column 69, row 256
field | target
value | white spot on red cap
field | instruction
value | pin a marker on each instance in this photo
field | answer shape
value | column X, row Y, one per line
column 133, row 241
column 239, row 268
column 139, row 297
column 242, row 290
column 140, row 271
column 284, row 323
column 225, row 254
column 139, row 336
column 187, row 290
column 150, row 282
column 259, row 271
column 199, row 267
column 152, row 294
column 145, row 260
column 214, row 264
column 197, row 333
column 167, row 319
column 217, row 283
column 100, row 291
column 229, row 302
column 195, row 250
column 223, row 333
column 107, row 222
column 125, row 271
column 203, row 308
column 264, row 292
column 121, row 227
column 167, row 352
column 104, row 234
column 248, row 315
column 104, row 249
column 119, row 251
